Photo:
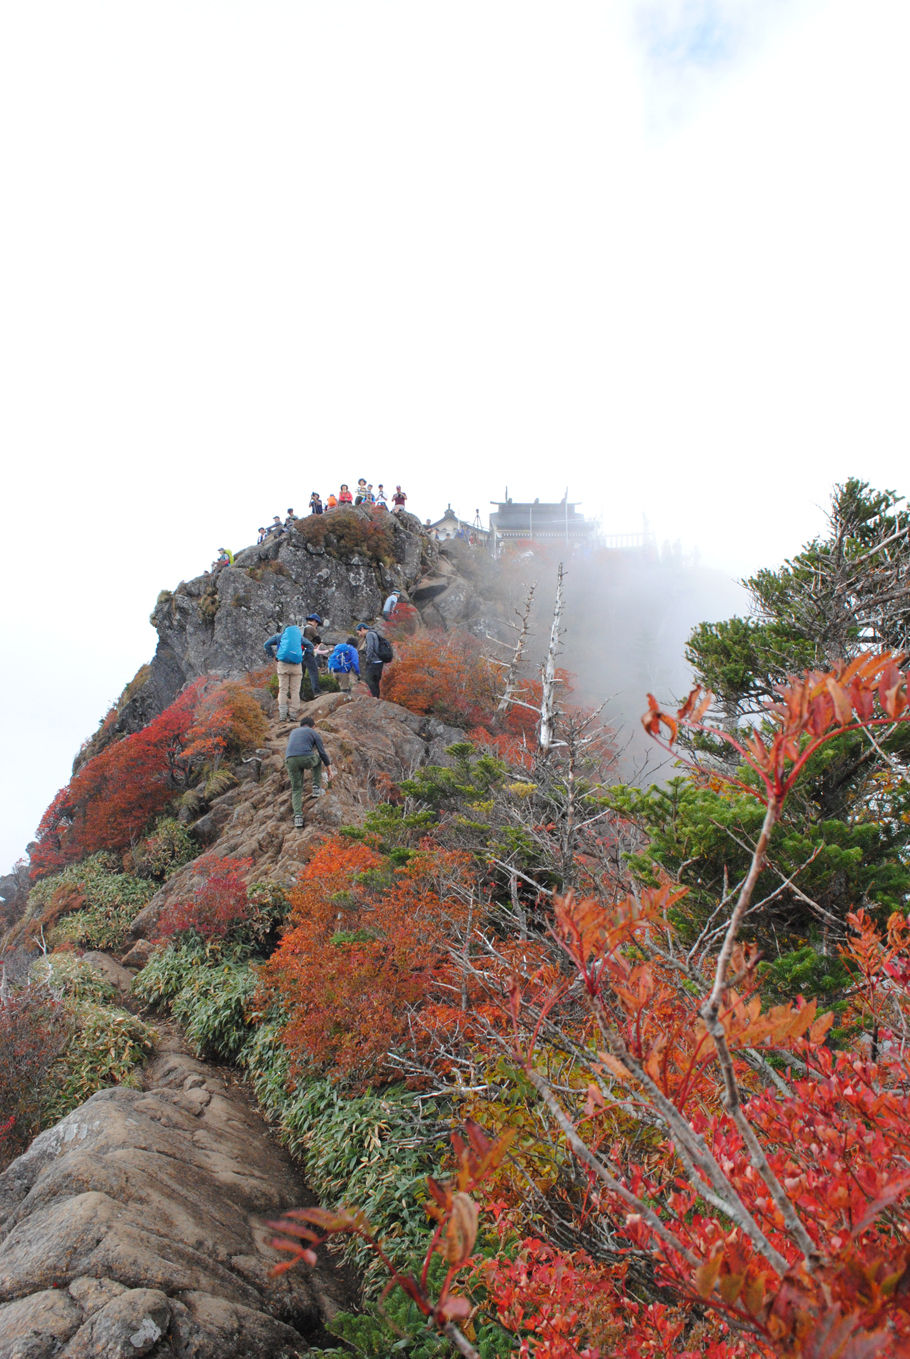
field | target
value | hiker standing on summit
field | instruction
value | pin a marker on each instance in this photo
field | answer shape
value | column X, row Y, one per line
column 286, row 649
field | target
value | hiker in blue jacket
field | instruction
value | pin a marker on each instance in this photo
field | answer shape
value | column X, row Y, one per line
column 344, row 664
column 286, row 649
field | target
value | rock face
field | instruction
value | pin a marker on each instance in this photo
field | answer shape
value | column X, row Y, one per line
column 218, row 622
column 137, row 1226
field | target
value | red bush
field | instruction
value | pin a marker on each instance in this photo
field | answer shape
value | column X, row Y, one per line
column 32, row 1033
column 113, row 797
column 218, row 904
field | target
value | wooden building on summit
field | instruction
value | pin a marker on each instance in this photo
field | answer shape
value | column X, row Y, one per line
column 538, row 521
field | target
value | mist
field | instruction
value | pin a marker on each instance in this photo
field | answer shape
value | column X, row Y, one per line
column 627, row 617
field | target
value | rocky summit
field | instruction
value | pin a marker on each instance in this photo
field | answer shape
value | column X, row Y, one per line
column 217, row 622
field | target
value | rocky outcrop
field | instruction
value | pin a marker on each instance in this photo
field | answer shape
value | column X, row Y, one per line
column 369, row 742
column 138, row 1226
column 217, row 623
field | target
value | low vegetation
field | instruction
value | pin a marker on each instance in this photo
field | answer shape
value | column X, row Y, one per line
column 579, row 1069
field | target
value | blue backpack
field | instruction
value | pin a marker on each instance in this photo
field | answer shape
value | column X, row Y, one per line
column 340, row 658
column 290, row 648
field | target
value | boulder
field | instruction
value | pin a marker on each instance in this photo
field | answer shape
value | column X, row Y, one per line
column 119, row 976
column 138, row 1225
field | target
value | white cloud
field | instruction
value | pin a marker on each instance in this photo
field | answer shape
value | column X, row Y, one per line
column 654, row 252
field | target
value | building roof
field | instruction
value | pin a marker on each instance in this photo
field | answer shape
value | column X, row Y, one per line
column 527, row 518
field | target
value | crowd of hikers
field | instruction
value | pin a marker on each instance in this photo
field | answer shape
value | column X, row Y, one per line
column 362, row 494
column 298, row 648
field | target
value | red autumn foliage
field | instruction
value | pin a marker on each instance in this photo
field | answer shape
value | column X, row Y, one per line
column 227, row 721
column 218, row 904
column 357, row 956
column 750, row 1186
column 113, row 797
column 564, row 1305
column 404, row 622
column 32, row 1032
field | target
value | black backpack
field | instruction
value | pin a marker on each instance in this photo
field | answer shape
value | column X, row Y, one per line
column 384, row 649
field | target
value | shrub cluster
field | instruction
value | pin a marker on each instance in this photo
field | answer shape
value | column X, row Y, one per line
column 89, row 904
column 112, row 799
column 368, row 941
column 33, row 1030
column 369, row 533
column 445, row 674
column 160, row 854
column 222, row 910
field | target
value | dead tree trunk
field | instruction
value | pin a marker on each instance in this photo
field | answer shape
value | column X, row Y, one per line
column 548, row 706
column 510, row 680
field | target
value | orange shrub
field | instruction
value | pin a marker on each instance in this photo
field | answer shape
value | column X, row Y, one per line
column 443, row 673
column 367, row 942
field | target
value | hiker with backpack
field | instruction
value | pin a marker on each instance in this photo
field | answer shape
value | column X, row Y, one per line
column 305, row 751
column 377, row 652
column 311, row 640
column 344, row 664
column 390, row 603
column 286, row 649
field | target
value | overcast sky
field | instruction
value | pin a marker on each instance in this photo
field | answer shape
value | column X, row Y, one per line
column 652, row 251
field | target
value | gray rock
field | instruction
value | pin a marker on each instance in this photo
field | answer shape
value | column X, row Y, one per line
column 138, row 1225
column 130, row 1324
column 112, row 971
column 217, row 623
column 37, row 1324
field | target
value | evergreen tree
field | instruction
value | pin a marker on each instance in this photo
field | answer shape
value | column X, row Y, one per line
column 843, row 841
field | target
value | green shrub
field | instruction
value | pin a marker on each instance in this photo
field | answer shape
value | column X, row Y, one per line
column 166, row 972
column 106, row 1047
column 219, row 781
column 211, row 1007
column 268, row 908
column 267, row 1064
column 90, row 904
column 206, row 989
column 168, row 848
column 374, row 1150
column 72, row 978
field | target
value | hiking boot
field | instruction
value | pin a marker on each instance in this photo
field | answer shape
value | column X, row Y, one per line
column 282, row 715
column 298, row 823
column 318, row 792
